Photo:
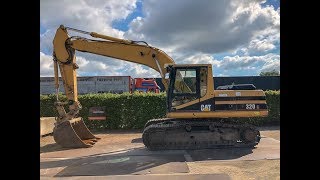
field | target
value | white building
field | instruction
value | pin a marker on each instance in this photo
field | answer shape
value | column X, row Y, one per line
column 91, row 84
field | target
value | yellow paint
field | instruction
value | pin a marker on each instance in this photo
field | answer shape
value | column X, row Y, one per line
column 242, row 102
column 217, row 114
column 232, row 93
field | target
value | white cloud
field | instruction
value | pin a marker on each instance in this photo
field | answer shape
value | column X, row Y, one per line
column 230, row 64
column 189, row 31
column 98, row 68
column 204, row 26
column 199, row 58
column 250, row 62
column 46, row 41
column 267, row 40
column 135, row 70
column 46, row 65
column 270, row 66
column 261, row 45
column 93, row 15
column 240, row 62
column 93, row 67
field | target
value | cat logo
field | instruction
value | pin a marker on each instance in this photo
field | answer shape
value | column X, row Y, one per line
column 206, row 107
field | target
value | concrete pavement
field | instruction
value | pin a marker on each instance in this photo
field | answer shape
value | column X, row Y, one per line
column 123, row 155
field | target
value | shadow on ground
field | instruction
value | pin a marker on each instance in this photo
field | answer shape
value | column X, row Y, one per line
column 136, row 140
column 52, row 148
column 139, row 161
column 219, row 154
column 55, row 147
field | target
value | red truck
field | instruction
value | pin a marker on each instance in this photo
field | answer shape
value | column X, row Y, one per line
column 146, row 85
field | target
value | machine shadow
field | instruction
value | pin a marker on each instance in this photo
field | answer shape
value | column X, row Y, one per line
column 136, row 140
column 120, row 164
column 219, row 154
column 52, row 148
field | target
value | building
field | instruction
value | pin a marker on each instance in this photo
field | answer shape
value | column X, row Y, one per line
column 91, row 84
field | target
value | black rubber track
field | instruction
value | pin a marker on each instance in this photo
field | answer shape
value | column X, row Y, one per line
column 170, row 133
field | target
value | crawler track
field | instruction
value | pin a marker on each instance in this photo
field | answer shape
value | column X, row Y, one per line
column 167, row 134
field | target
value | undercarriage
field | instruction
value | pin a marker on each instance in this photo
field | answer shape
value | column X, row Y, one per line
column 170, row 133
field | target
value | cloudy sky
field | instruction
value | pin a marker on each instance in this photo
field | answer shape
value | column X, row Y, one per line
column 238, row 37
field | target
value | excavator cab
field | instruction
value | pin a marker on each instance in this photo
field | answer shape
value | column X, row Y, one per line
column 188, row 83
column 191, row 94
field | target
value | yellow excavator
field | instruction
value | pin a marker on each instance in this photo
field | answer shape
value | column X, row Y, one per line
column 197, row 114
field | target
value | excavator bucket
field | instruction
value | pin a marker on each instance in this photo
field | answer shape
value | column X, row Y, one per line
column 74, row 134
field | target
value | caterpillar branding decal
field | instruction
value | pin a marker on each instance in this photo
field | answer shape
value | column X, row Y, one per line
column 205, row 107
column 251, row 106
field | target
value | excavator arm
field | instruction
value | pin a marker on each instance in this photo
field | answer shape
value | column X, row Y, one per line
column 64, row 57
column 70, row 131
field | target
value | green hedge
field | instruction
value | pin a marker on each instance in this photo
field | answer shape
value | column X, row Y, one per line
column 132, row 111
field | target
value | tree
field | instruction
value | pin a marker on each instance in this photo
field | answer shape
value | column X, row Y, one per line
column 270, row 73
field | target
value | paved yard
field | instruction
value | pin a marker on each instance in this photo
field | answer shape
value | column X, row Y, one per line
column 122, row 155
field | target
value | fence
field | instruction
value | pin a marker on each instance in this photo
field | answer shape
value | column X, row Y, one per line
column 261, row 82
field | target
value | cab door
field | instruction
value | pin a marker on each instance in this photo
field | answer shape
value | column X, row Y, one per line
column 184, row 91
